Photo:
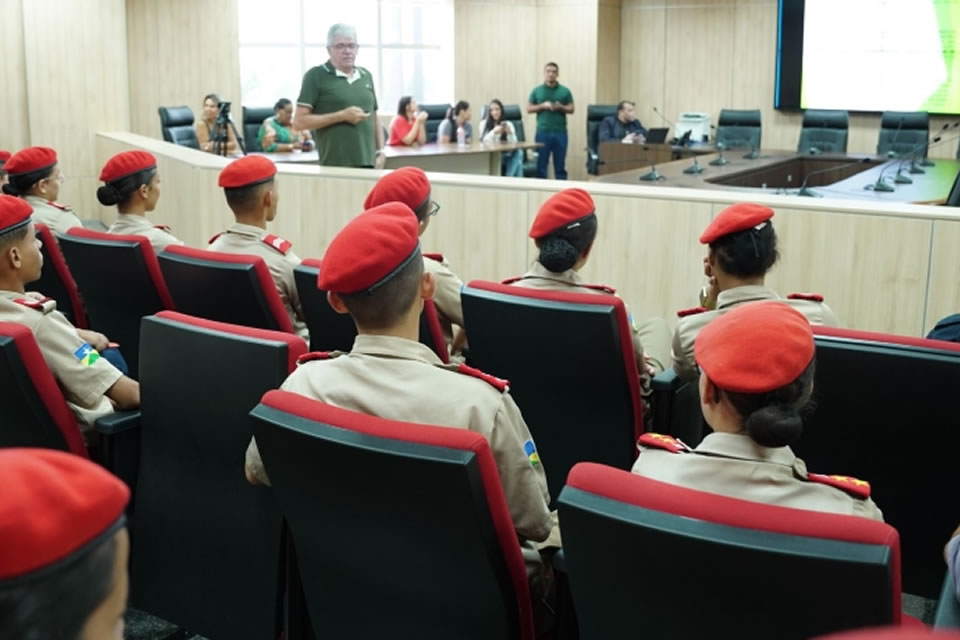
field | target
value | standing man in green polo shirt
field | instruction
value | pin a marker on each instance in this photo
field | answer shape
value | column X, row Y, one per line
column 338, row 102
column 551, row 101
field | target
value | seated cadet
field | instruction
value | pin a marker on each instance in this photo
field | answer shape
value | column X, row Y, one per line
column 374, row 271
column 743, row 248
column 410, row 186
column 91, row 385
column 34, row 175
column 756, row 379
column 63, row 568
column 4, row 156
column 133, row 184
column 251, row 192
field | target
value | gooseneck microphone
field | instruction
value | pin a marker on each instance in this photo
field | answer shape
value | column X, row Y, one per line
column 652, row 176
column 880, row 185
column 720, row 160
column 670, row 124
column 754, row 154
column 890, row 152
column 695, row 167
column 810, row 193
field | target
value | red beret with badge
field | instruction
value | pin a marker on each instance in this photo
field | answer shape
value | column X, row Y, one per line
column 755, row 347
column 561, row 210
column 738, row 217
column 14, row 213
column 53, row 504
column 247, row 171
column 408, row 185
column 126, row 164
column 370, row 249
column 29, row 160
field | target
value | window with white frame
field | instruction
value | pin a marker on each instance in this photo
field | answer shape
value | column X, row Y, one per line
column 406, row 44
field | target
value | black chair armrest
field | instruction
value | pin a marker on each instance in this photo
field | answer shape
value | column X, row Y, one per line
column 676, row 407
column 119, row 446
column 118, row 422
column 948, row 608
column 666, row 381
column 559, row 561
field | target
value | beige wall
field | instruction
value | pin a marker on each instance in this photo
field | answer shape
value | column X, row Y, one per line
column 15, row 132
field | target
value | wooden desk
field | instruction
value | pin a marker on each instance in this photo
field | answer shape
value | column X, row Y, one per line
column 616, row 156
column 475, row 158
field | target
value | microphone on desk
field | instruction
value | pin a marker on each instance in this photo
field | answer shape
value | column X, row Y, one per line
column 927, row 162
column 720, row 160
column 880, row 185
column 673, row 127
column 814, row 151
column 652, row 176
column 695, row 167
column 805, row 191
column 753, row 155
column 890, row 152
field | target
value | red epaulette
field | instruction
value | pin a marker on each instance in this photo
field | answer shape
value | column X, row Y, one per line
column 498, row 383
column 315, row 355
column 436, row 257
column 661, row 441
column 34, row 303
column 855, row 487
column 812, row 297
column 278, row 243
column 600, row 287
column 164, row 227
column 62, row 207
column 692, row 311
column 512, row 280
column 213, row 239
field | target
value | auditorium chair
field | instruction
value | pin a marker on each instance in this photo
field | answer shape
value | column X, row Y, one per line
column 902, row 132
column 209, row 549
column 176, row 123
column 514, row 115
column 824, row 131
column 739, row 129
column 121, row 283
column 902, row 632
column 253, row 117
column 401, row 530
column 663, row 561
column 572, row 370
column 56, row 281
column 595, row 115
column 948, row 609
column 436, row 113
column 332, row 331
column 226, row 287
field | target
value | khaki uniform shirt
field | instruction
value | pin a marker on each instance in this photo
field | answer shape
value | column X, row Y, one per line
column 818, row 313
column 280, row 259
column 733, row 465
column 447, row 296
column 159, row 237
column 83, row 376
column 57, row 217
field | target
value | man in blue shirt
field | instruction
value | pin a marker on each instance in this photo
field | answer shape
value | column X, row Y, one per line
column 622, row 127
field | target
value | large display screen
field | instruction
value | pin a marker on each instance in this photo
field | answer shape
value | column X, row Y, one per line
column 869, row 55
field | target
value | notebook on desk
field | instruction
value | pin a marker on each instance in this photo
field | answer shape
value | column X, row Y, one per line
column 657, row 136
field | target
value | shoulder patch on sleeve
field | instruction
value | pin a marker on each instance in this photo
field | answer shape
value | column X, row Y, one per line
column 318, row 355
column 512, row 280
column 661, row 441
column 812, row 297
column 692, row 311
column 854, row 486
column 214, row 238
column 600, row 287
column 498, row 383
column 436, row 257
column 43, row 305
column 278, row 243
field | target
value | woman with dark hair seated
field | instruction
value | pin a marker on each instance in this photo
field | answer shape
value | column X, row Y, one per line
column 497, row 129
column 756, row 379
column 457, row 118
column 131, row 182
column 408, row 127
column 34, row 175
column 206, row 126
column 742, row 249
column 277, row 132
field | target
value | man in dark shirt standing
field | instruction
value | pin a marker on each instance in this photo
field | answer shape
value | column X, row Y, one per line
column 338, row 102
column 623, row 127
column 551, row 101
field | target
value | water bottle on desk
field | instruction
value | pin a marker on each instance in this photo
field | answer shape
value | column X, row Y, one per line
column 461, row 136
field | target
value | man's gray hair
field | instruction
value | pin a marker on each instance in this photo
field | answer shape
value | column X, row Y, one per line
column 340, row 29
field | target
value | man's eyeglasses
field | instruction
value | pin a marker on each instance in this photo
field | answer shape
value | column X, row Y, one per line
column 434, row 209
column 346, row 46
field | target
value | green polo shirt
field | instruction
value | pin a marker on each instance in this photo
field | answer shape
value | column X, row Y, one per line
column 554, row 121
column 341, row 144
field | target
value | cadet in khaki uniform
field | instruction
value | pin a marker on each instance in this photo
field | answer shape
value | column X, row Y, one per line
column 757, row 365
column 374, row 271
column 34, row 175
column 743, row 247
column 251, row 192
column 410, row 186
column 133, row 184
column 91, row 385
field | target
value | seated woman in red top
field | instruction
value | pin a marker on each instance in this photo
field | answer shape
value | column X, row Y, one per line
column 408, row 127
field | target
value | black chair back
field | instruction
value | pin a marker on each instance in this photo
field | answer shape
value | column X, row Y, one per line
column 739, row 129
column 176, row 123
column 208, row 554
column 253, row 117
column 436, row 113
column 903, row 132
column 329, row 330
column 56, row 281
column 595, row 115
column 824, row 130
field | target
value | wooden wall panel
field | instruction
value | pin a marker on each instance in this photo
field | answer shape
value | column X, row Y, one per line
column 608, row 51
column 642, row 43
column 943, row 292
column 15, row 132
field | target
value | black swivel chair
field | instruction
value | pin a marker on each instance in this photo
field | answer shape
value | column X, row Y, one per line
column 436, row 113
column 176, row 123
column 595, row 115
column 902, row 132
column 739, row 129
column 824, row 130
column 253, row 117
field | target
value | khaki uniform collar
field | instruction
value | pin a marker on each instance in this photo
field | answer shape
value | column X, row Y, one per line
column 133, row 220
column 247, row 230
column 569, row 276
column 742, row 447
column 746, row 293
column 393, row 347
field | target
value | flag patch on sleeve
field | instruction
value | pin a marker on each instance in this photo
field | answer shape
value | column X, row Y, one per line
column 86, row 354
column 531, row 450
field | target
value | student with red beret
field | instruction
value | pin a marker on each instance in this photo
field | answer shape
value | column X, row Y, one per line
column 742, row 249
column 131, row 182
column 34, row 175
column 63, row 547
column 756, row 379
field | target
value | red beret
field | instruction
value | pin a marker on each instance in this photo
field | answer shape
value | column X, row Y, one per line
column 898, row 632
column 52, row 504
column 247, row 171
column 755, row 347
column 126, row 164
column 4, row 156
column 738, row 217
column 408, row 185
column 560, row 210
column 30, row 159
column 14, row 212
column 370, row 249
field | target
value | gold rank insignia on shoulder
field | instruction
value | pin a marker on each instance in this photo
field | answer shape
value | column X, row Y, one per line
column 661, row 441
column 854, row 486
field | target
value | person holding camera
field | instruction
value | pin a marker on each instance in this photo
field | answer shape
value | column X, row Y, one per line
column 207, row 127
column 277, row 132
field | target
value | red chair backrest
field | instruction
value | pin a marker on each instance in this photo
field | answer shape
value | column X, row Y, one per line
column 56, row 280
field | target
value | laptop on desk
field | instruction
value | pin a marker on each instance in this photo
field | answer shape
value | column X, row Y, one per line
column 657, row 136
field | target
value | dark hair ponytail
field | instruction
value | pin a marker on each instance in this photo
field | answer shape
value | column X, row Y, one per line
column 775, row 418
column 120, row 191
column 747, row 254
column 561, row 249
column 20, row 184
